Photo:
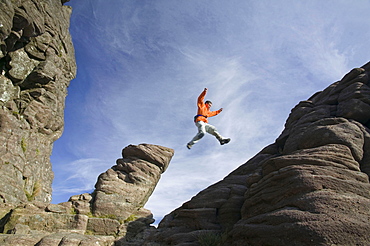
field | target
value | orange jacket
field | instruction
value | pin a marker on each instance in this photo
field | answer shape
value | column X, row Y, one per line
column 203, row 110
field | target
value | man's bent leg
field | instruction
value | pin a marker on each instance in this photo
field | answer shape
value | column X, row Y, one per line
column 201, row 131
column 213, row 130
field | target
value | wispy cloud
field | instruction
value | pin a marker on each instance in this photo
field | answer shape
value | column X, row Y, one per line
column 143, row 64
column 77, row 177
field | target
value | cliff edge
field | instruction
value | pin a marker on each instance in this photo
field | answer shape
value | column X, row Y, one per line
column 37, row 63
column 310, row 187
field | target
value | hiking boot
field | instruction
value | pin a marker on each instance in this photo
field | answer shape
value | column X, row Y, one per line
column 224, row 141
column 189, row 146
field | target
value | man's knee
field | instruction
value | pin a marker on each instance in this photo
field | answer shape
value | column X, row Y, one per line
column 200, row 135
column 212, row 129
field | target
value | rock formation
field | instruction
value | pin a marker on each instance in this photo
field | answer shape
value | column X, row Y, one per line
column 36, row 65
column 134, row 178
column 310, row 187
column 111, row 215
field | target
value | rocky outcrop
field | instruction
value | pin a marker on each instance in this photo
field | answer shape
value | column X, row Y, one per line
column 310, row 187
column 134, row 178
column 112, row 215
column 36, row 65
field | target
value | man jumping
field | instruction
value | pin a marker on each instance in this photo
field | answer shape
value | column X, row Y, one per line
column 202, row 123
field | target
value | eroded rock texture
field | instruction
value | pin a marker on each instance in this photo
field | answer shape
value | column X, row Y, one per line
column 129, row 184
column 36, row 65
column 310, row 187
column 112, row 215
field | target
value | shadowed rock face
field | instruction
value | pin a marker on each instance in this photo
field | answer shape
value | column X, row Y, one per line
column 310, row 187
column 36, row 65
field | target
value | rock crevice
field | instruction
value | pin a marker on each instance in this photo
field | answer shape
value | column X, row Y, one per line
column 36, row 65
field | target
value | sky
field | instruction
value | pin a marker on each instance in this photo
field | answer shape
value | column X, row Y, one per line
column 141, row 64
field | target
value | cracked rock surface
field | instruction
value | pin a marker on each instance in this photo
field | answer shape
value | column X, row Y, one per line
column 37, row 63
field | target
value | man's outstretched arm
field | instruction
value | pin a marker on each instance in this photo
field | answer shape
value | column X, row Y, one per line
column 202, row 96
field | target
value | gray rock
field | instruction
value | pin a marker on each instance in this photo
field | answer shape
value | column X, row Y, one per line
column 103, row 226
column 310, row 187
column 21, row 65
column 44, row 221
column 154, row 154
column 60, row 209
column 31, row 116
column 20, row 240
column 20, row 229
column 7, row 90
column 127, row 186
column 37, row 64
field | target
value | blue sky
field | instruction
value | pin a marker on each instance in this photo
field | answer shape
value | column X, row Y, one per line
column 143, row 63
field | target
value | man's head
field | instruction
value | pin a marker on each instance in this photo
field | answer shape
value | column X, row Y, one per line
column 208, row 104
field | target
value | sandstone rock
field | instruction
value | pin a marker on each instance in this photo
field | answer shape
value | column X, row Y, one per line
column 86, row 240
column 60, row 239
column 60, row 223
column 70, row 239
column 81, row 204
column 44, row 221
column 113, row 218
column 42, row 74
column 54, row 208
column 36, row 65
column 6, row 18
column 7, row 90
column 20, row 229
column 20, row 240
column 30, row 18
column 36, row 53
column 124, row 188
column 21, row 65
column 37, row 47
column 155, row 154
column 310, row 187
column 137, row 230
column 103, row 226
